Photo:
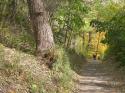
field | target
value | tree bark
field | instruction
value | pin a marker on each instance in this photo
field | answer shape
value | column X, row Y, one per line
column 42, row 30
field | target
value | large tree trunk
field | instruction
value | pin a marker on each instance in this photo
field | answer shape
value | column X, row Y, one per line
column 42, row 29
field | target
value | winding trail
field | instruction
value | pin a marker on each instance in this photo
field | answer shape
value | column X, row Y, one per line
column 94, row 78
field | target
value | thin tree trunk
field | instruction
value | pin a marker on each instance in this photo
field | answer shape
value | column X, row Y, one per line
column 42, row 29
column 83, row 39
column 97, row 47
column 89, row 41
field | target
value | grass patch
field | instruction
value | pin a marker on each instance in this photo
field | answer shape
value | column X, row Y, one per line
column 62, row 72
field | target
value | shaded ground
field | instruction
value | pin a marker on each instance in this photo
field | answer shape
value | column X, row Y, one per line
column 76, row 61
column 95, row 78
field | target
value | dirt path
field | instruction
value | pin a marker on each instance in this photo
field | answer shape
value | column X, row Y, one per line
column 94, row 78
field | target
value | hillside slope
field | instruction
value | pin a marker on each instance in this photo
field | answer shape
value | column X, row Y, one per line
column 23, row 73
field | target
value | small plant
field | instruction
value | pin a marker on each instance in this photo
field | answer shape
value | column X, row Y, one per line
column 35, row 86
column 62, row 72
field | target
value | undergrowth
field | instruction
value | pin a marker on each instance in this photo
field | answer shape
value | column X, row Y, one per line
column 62, row 71
column 19, row 40
column 26, row 75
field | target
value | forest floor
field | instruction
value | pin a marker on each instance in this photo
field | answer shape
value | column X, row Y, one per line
column 95, row 78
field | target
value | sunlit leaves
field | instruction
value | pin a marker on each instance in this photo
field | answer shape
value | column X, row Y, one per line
column 72, row 14
column 69, row 18
column 115, row 32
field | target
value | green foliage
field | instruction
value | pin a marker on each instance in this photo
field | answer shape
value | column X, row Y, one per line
column 36, row 86
column 107, row 9
column 21, row 41
column 14, row 12
column 15, row 29
column 62, row 71
column 68, row 20
column 114, row 38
